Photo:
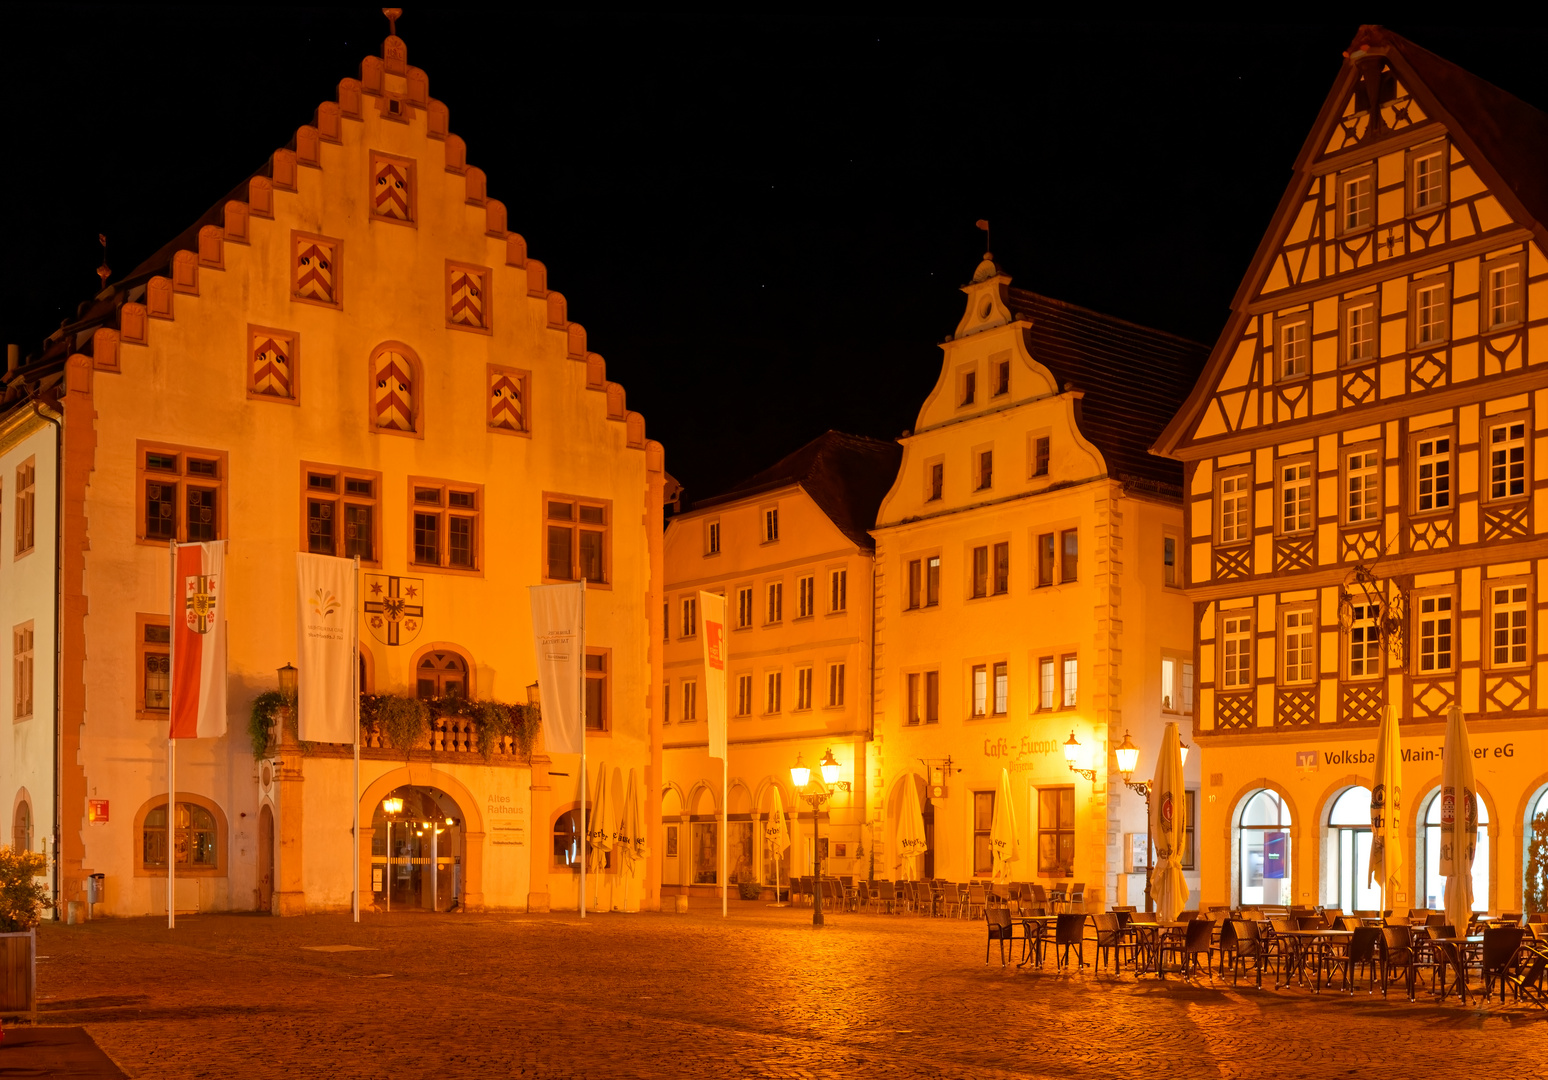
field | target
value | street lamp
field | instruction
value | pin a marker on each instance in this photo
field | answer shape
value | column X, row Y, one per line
column 817, row 792
column 1072, row 755
column 1128, row 761
column 391, row 807
column 287, row 681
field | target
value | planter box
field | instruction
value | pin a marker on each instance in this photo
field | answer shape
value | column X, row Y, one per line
column 19, row 973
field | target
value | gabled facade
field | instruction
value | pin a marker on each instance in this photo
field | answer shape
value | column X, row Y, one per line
column 789, row 550
column 352, row 354
column 1022, row 592
column 1365, row 489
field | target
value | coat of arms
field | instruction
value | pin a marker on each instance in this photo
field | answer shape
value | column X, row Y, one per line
column 394, row 607
column 200, row 592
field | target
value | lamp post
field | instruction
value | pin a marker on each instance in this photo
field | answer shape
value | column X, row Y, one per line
column 817, row 792
column 1128, row 761
column 391, row 807
column 1072, row 755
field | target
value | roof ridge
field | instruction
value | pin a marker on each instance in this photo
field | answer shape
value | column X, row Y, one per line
column 1105, row 316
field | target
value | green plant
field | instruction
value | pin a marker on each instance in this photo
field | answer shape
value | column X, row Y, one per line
column 23, row 897
column 1535, row 891
column 265, row 707
column 403, row 720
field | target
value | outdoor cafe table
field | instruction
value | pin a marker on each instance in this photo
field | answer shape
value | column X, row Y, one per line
column 1049, row 922
column 1303, row 945
column 1465, row 949
column 1149, row 936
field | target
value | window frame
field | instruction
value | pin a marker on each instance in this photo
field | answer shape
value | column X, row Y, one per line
column 838, row 590
column 967, row 386
column 689, row 696
column 1411, row 159
column 26, row 507
column 143, row 475
column 935, row 479
column 983, row 473
column 711, row 537
column 605, row 678
column 744, row 695
column 1283, row 324
column 806, row 596
column 1069, row 562
column 485, row 277
column 1342, row 228
column 1069, row 681
column 1235, row 473
column 416, row 428
column 806, row 687
column 1185, row 680
column 922, row 707
column 773, row 691
column 1281, row 484
column 985, row 831
column 523, row 380
column 341, row 498
column 296, row 237
column 1346, row 306
column 292, row 346
column 1416, row 440
column 1368, row 624
column 1517, row 260
column 24, row 671
column 688, row 617
column 999, row 688
column 978, row 576
column 1443, row 282
column 1452, row 615
column 1048, row 695
column 1039, row 454
column 444, row 512
column 1346, row 453
column 1312, row 632
column 978, row 691
column 744, row 607
column 142, row 650
column 1001, row 370
column 1222, row 635
column 773, row 602
column 768, row 528
column 1491, row 606
column 411, row 173
column 836, row 677
column 1173, row 539
column 219, row 827
column 1059, row 829
column 1488, row 425
column 576, row 527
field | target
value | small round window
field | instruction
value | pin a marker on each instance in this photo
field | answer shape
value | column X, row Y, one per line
column 988, row 306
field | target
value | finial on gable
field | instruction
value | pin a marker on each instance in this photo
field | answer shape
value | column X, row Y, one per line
column 394, row 52
column 986, row 269
column 103, row 271
column 393, row 15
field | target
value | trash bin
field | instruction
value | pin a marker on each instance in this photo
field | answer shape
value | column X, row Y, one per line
column 96, row 888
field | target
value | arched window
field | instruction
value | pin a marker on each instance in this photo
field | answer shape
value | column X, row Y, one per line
column 1346, row 881
column 395, row 391
column 1263, row 850
column 193, row 837
column 570, row 841
column 21, row 827
column 442, row 674
column 1534, row 893
column 1434, row 884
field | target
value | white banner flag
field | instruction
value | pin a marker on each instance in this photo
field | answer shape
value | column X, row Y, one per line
column 199, row 642
column 326, row 610
column 714, row 609
column 559, row 640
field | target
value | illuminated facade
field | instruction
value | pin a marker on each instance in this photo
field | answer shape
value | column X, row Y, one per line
column 1026, row 590
column 351, row 354
column 1366, row 488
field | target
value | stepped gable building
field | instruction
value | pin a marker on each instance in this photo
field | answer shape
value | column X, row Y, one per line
column 352, row 354
column 1366, row 477
column 1027, row 593
column 789, row 550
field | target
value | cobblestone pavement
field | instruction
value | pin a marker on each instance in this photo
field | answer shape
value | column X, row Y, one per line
column 762, row 994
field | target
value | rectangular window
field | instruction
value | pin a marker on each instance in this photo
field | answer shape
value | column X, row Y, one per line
column 838, row 590
column 937, row 480
column 803, row 688
column 1434, row 634
column 1427, row 180
column 1294, row 349
column 932, row 697
column 983, row 825
column 1056, row 831
column 26, row 506
column 666, row 704
column 578, row 532
column 1176, row 685
column 932, row 581
column 1047, row 682
column 1069, row 681
column 1236, row 652
column 1504, row 297
column 1360, row 332
column 341, row 515
column 1430, row 317
column 597, row 718
column 182, row 494
column 1045, row 559
column 446, row 523
column 1357, row 197
column 911, row 704
column 775, row 610
column 1507, row 460
column 1002, row 378
column 666, row 621
column 1169, row 560
column 969, row 387
column 835, row 686
column 981, row 571
column 1432, row 479
column 771, row 691
column 1300, row 641
column 1001, row 568
column 744, row 608
column 1069, row 559
column 980, row 689
column 155, row 665
column 1362, row 503
column 1295, row 497
column 712, row 539
column 690, row 621
column 1001, row 688
column 1508, row 625
column 806, row 596
column 1364, row 641
column 21, row 672
column 1188, row 857
column 690, row 701
column 744, row 695
column 915, row 584
column 1040, row 456
column 1235, row 510
column 985, row 470
column 770, row 524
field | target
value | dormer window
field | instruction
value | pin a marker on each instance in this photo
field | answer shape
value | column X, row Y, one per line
column 969, row 387
column 1357, row 200
column 1427, row 179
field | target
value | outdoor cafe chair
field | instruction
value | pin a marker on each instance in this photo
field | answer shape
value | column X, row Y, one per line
column 1112, row 941
column 1397, row 955
column 1057, row 897
column 1070, row 933
column 802, row 891
column 1351, row 922
column 1362, row 954
column 1199, row 939
column 889, row 897
column 1511, row 918
column 1187, row 916
column 1537, row 917
column 1002, row 928
column 1040, row 896
column 1500, row 946
column 1241, row 941
column 951, row 899
column 1526, row 972
column 977, row 897
column 1077, row 895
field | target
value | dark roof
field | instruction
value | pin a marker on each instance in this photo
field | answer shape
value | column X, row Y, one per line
column 1134, row 378
column 847, row 476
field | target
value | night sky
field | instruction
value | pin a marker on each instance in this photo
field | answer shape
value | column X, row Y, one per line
column 761, row 222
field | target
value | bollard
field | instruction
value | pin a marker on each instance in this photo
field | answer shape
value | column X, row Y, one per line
column 682, row 905
column 75, row 912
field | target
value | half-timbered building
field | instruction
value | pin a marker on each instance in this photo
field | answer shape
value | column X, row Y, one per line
column 1366, row 463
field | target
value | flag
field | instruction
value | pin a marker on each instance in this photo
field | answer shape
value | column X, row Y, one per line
column 325, row 644
column 199, row 643
column 559, row 641
column 714, row 609
column 1386, row 806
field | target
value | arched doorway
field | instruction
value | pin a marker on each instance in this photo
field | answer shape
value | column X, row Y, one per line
column 1346, row 877
column 1262, row 849
column 1429, row 874
column 417, row 849
column 266, row 859
column 1534, row 854
column 21, row 826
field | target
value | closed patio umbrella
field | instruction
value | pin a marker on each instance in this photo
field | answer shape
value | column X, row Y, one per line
column 599, row 829
column 911, row 832
column 1386, row 792
column 1459, row 821
column 1168, row 827
column 1003, row 841
column 629, row 840
column 776, row 835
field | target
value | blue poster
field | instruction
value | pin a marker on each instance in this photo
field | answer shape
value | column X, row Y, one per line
column 1276, row 851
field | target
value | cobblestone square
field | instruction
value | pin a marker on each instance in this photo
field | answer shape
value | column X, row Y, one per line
column 760, row 994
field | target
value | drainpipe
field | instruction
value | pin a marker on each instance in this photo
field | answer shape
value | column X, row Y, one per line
column 58, row 622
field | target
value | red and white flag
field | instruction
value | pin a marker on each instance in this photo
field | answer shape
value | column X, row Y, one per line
column 714, row 609
column 199, row 643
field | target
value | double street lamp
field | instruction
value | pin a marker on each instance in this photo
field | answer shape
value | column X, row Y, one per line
column 817, row 792
column 1128, row 761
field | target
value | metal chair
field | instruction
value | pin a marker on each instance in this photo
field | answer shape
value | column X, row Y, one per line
column 1500, row 946
column 1240, row 941
column 1002, row 928
column 1111, row 940
column 977, row 897
column 1070, row 933
column 1397, row 954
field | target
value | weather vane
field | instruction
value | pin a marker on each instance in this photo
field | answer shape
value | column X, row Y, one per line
column 983, row 223
column 103, row 271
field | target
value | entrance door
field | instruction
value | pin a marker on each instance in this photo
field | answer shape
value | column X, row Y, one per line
column 266, row 859
column 416, row 851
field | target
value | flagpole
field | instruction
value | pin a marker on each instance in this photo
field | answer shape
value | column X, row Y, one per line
column 585, row 829
column 354, row 679
column 171, row 744
column 724, row 825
